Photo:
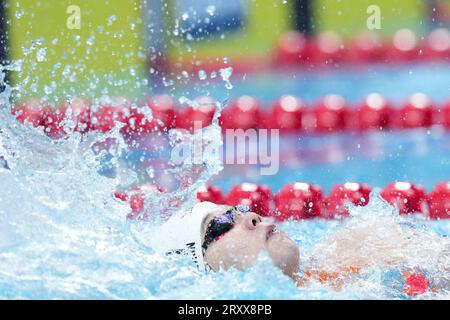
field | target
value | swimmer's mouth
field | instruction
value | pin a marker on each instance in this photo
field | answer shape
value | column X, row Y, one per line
column 271, row 232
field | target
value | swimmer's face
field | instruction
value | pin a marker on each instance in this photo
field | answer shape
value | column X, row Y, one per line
column 251, row 234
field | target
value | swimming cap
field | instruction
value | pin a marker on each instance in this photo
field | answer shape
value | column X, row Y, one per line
column 182, row 233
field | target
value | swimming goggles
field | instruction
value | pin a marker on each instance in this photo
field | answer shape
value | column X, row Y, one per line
column 221, row 224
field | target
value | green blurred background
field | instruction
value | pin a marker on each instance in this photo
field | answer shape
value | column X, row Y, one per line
column 105, row 56
column 350, row 16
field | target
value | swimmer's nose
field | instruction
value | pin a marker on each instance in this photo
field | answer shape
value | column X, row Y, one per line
column 252, row 220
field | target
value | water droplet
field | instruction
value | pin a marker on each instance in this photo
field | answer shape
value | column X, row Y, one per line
column 225, row 74
column 41, row 54
column 66, row 72
column 111, row 20
column 90, row 40
column 19, row 13
column 167, row 83
column 202, row 75
column 48, row 89
column 211, row 10
column 34, row 87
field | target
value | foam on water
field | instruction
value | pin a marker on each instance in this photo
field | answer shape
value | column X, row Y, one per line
column 63, row 235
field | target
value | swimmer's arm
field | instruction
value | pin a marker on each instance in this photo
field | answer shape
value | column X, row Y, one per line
column 299, row 282
column 334, row 280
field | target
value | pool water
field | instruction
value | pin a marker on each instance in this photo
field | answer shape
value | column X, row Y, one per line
column 417, row 156
column 377, row 158
column 63, row 234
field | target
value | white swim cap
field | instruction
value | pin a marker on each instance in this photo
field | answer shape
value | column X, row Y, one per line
column 182, row 233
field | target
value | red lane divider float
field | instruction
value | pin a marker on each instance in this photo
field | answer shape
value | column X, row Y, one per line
column 329, row 49
column 299, row 201
column 356, row 193
column 302, row 200
column 439, row 201
column 243, row 113
column 409, row 198
column 136, row 197
column 418, row 111
column 202, row 115
column 374, row 113
column 257, row 197
column 289, row 114
column 211, row 193
column 331, row 114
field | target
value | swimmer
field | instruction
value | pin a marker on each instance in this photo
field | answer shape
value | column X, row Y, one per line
column 220, row 237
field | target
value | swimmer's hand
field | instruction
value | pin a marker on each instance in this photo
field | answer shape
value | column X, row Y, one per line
column 299, row 282
column 334, row 280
